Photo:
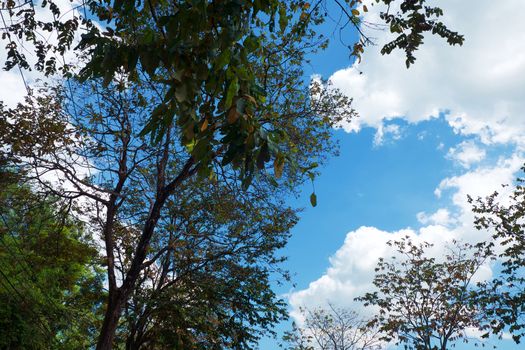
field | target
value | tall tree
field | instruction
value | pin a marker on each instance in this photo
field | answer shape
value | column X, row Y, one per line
column 92, row 143
column 225, row 101
column 425, row 303
column 504, row 297
column 217, row 251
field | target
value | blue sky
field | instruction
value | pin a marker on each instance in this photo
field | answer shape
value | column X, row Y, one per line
column 452, row 125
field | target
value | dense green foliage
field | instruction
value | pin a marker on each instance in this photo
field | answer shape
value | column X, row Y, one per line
column 50, row 286
column 196, row 251
column 213, row 59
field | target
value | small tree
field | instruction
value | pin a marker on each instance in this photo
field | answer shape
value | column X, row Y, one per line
column 424, row 303
column 333, row 329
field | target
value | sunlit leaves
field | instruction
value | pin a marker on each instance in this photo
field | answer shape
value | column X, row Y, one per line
column 415, row 19
column 207, row 53
column 425, row 302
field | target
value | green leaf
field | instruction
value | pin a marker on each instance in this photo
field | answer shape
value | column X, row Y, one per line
column 223, row 59
column 181, row 93
column 149, row 62
column 159, row 113
column 133, row 58
column 283, row 18
column 251, row 43
column 263, row 156
column 278, row 165
column 233, row 88
column 313, row 199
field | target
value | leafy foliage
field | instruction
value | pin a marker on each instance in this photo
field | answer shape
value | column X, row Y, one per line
column 424, row 303
column 213, row 59
column 411, row 22
column 177, row 239
column 504, row 297
column 211, row 287
column 50, row 286
column 178, row 99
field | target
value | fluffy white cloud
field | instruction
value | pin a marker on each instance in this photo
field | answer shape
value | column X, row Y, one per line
column 12, row 88
column 466, row 153
column 350, row 272
column 479, row 88
column 351, row 268
column 440, row 217
column 479, row 85
column 391, row 132
column 481, row 182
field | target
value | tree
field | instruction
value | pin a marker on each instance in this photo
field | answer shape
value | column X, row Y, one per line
column 504, row 297
column 424, row 303
column 50, row 282
column 211, row 57
column 148, row 202
column 333, row 329
column 204, row 290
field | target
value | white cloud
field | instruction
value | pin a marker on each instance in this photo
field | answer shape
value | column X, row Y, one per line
column 12, row 88
column 480, row 85
column 387, row 132
column 482, row 181
column 440, row 217
column 466, row 154
column 351, row 268
column 479, row 88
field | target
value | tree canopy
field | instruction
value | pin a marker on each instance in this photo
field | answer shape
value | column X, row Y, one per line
column 213, row 58
column 504, row 296
column 425, row 303
column 172, row 238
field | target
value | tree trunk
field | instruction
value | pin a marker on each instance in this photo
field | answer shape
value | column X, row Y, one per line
column 118, row 296
column 111, row 318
